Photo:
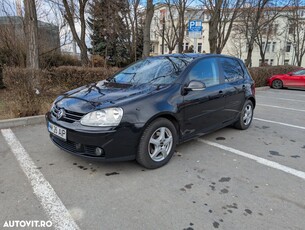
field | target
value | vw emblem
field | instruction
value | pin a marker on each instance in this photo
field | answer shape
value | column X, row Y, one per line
column 60, row 114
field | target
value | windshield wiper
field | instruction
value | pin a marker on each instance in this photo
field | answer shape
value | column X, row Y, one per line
column 173, row 63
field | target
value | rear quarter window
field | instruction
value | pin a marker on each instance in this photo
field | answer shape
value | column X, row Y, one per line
column 232, row 69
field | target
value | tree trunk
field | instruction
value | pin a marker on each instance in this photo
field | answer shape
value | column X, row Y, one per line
column 146, row 30
column 163, row 34
column 32, row 56
column 181, row 30
column 249, row 56
column 212, row 37
column 1, row 79
column 81, row 41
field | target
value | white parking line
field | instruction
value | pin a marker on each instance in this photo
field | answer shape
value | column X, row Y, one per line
column 49, row 200
column 284, row 99
column 280, row 107
column 259, row 160
column 279, row 123
column 286, row 94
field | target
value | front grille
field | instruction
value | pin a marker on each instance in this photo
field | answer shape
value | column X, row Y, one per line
column 69, row 116
column 70, row 146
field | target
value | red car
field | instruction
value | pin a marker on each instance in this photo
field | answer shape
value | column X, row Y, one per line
column 294, row 79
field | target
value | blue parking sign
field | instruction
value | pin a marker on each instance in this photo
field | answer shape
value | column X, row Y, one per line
column 195, row 26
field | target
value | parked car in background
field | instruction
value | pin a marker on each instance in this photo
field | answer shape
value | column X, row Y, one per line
column 143, row 111
column 295, row 79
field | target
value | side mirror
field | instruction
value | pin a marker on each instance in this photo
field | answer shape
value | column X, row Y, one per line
column 195, row 86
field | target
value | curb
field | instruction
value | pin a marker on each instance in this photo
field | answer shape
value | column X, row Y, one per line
column 262, row 88
column 10, row 123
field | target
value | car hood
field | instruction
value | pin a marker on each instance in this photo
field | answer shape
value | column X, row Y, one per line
column 102, row 94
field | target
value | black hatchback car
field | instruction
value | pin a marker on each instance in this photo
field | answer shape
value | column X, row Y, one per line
column 143, row 111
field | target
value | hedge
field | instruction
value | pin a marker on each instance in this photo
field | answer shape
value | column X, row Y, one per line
column 24, row 101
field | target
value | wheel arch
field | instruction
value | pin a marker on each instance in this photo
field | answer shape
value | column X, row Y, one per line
column 252, row 99
column 278, row 79
column 167, row 115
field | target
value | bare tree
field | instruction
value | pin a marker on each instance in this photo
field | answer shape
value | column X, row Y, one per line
column 167, row 27
column 72, row 11
column 50, row 11
column 236, row 43
column 267, row 32
column 174, row 27
column 222, row 16
column 297, row 30
column 181, row 6
column 132, row 17
column 251, row 24
column 146, row 30
column 30, row 22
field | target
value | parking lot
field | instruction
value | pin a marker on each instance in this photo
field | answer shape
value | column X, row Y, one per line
column 230, row 179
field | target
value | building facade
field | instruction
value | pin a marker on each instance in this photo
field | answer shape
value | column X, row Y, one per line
column 48, row 34
column 276, row 40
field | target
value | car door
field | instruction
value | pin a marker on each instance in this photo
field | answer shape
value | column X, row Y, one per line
column 295, row 79
column 234, row 87
column 202, row 110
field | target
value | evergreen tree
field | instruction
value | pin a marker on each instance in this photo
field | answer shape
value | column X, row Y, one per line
column 109, row 37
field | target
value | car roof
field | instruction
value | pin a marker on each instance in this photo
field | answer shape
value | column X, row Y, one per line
column 195, row 55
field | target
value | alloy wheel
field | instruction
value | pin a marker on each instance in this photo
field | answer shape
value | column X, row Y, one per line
column 247, row 115
column 160, row 144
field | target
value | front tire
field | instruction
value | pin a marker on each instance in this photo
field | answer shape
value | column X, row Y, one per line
column 277, row 84
column 245, row 117
column 157, row 144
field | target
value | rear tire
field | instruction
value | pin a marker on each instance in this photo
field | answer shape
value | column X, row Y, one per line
column 157, row 144
column 245, row 117
column 277, row 84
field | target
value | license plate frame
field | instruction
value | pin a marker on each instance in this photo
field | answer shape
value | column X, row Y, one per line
column 57, row 131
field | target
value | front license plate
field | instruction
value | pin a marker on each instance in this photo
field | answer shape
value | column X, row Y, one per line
column 57, row 131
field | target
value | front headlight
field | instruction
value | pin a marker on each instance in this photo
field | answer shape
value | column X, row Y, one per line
column 103, row 117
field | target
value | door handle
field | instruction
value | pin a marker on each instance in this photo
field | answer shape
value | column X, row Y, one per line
column 220, row 92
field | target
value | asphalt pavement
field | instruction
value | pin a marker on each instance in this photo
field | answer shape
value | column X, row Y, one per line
column 230, row 179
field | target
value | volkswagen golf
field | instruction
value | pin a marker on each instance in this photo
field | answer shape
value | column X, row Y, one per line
column 146, row 109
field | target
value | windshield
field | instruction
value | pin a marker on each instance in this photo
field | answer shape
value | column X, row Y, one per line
column 153, row 70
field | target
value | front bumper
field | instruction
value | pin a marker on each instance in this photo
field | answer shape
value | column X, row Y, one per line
column 117, row 144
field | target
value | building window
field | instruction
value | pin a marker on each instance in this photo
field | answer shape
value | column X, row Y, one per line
column 199, row 48
column 153, row 48
column 273, row 47
column 286, row 62
column 276, row 26
column 268, row 47
column 271, row 62
column 288, row 47
column 186, row 46
column 291, row 29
